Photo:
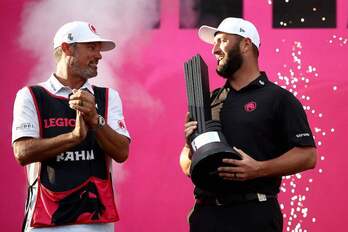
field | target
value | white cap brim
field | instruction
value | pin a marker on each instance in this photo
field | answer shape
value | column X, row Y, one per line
column 207, row 34
column 106, row 45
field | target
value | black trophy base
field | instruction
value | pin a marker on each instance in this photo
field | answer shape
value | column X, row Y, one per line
column 205, row 162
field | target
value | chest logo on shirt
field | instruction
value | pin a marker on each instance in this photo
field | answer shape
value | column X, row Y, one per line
column 59, row 122
column 250, row 106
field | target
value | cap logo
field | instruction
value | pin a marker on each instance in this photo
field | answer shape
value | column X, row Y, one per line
column 241, row 30
column 70, row 37
column 92, row 28
column 250, row 106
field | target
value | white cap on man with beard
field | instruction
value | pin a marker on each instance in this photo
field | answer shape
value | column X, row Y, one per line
column 235, row 26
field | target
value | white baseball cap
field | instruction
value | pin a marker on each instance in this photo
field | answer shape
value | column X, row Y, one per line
column 80, row 32
column 231, row 25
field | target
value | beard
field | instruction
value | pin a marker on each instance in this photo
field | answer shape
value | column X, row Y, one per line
column 234, row 61
column 84, row 72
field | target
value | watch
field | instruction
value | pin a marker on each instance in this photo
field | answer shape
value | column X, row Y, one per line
column 101, row 121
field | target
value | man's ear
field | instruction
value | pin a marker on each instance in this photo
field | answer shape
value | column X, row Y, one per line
column 67, row 49
column 246, row 45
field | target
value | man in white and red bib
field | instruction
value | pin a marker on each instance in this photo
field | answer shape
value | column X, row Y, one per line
column 66, row 132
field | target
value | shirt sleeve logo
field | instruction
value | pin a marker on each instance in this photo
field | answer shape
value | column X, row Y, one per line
column 302, row 135
column 25, row 126
column 121, row 124
column 250, row 106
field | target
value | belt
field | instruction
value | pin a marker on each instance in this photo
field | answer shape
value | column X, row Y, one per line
column 233, row 198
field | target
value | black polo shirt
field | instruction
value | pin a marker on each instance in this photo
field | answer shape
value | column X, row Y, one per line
column 265, row 121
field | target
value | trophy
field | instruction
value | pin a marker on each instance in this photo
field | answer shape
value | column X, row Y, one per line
column 209, row 145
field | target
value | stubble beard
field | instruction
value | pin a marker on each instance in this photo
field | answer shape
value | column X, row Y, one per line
column 233, row 63
column 84, row 72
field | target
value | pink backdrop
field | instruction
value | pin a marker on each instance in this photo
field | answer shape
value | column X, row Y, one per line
column 153, row 194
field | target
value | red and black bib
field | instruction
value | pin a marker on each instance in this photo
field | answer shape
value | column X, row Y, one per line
column 75, row 187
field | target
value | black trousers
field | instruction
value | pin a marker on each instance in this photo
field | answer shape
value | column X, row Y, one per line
column 250, row 216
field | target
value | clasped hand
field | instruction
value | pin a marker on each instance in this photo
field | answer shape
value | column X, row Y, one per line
column 84, row 102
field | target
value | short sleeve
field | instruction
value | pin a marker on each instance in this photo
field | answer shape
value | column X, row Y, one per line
column 25, row 119
column 115, row 117
column 293, row 122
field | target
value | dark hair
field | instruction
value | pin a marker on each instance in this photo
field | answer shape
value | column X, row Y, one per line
column 254, row 48
column 255, row 51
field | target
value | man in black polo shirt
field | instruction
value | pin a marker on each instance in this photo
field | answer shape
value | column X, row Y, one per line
column 264, row 123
